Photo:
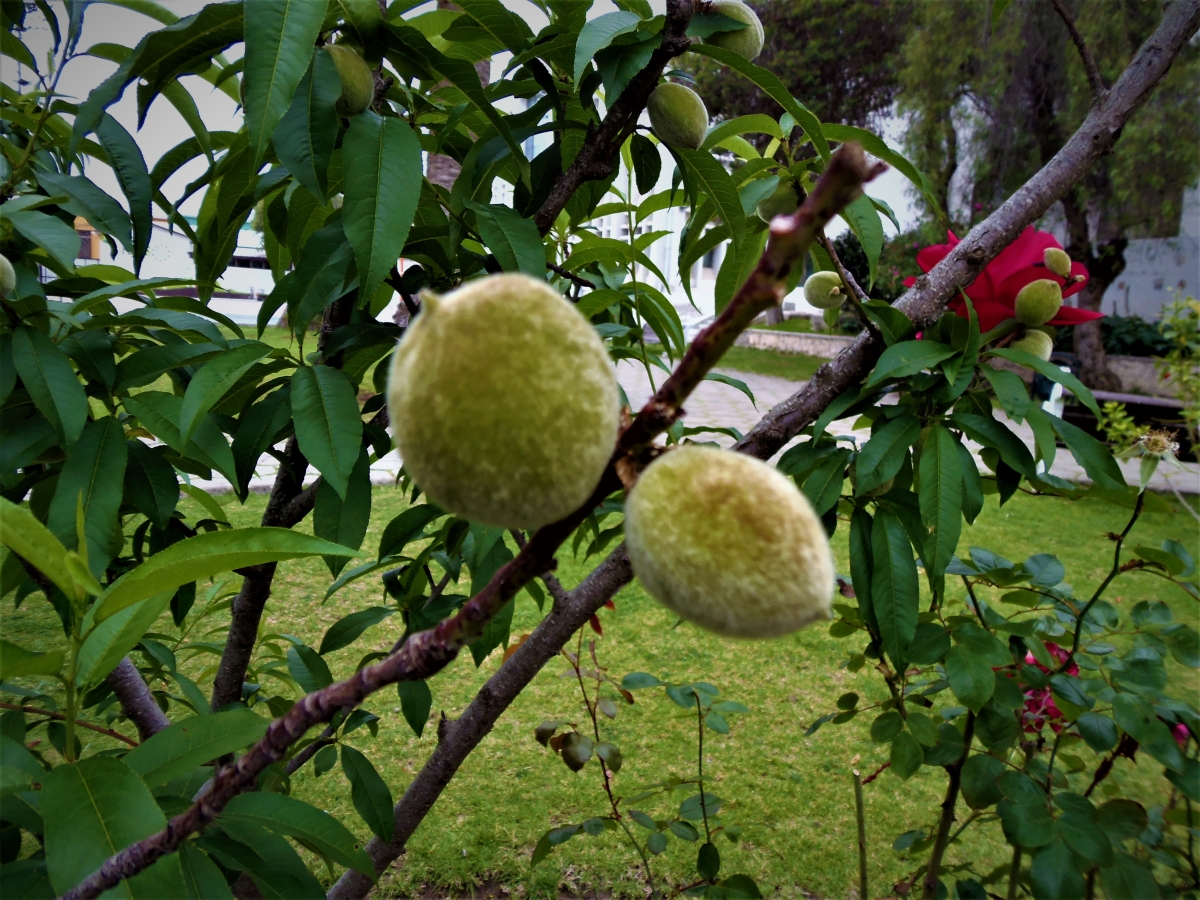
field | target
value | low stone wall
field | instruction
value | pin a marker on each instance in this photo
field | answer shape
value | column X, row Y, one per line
column 1139, row 375
column 825, row 346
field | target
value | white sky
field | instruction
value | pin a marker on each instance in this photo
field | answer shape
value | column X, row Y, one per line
column 164, row 127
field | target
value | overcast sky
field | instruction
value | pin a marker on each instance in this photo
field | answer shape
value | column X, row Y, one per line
column 164, row 127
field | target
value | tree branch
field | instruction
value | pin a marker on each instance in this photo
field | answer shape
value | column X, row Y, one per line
column 570, row 276
column 857, row 295
column 428, row 652
column 925, row 301
column 597, row 158
column 1094, row 78
column 37, row 711
column 137, row 703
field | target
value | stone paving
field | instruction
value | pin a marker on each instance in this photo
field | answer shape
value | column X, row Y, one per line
column 716, row 403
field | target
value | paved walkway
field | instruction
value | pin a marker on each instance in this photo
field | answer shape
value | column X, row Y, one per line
column 715, row 403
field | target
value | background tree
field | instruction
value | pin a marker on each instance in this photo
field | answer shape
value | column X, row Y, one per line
column 991, row 98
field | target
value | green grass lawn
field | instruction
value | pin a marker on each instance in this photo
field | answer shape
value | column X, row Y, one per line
column 793, row 366
column 800, row 324
column 792, row 794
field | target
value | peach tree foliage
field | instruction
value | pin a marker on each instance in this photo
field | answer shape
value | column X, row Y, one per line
column 98, row 448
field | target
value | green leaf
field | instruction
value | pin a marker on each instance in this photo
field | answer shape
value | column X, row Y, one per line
column 52, row 234
column 863, row 219
column 758, row 123
column 307, row 668
column 740, row 261
column 201, row 876
column 1095, row 457
column 206, row 555
column 503, row 25
column 382, row 159
column 875, row 145
column 1055, row 874
column 92, row 810
column 415, row 702
column 87, row 200
column 971, row 678
column 159, row 414
column 346, row 630
column 708, row 862
column 151, row 484
column 1128, row 879
column 213, row 381
column 972, row 484
column 824, row 486
column 893, row 324
column 598, row 34
column 882, row 456
column 293, row 818
column 732, row 382
column 95, row 471
column 257, row 429
column 328, row 424
column 647, row 161
column 344, row 522
column 305, row 136
column 979, row 776
column 894, row 589
column 860, row 565
column 770, row 85
column 48, row 377
column 407, row 527
column 183, row 746
column 126, row 160
column 496, row 632
column 513, row 240
column 279, row 44
column 369, row 793
column 114, row 637
column 1026, row 825
column 16, row 661
column 908, row 358
column 907, row 755
column 1053, row 372
column 941, row 500
column 1138, row 719
column 712, row 179
column 1010, row 391
column 22, row 533
column 993, row 434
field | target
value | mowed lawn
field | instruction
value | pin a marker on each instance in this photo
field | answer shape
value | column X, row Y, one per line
column 791, row 794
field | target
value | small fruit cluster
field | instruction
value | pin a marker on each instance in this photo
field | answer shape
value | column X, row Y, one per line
column 505, row 409
column 677, row 114
column 1039, row 302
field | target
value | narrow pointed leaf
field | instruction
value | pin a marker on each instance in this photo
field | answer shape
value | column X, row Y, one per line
column 328, row 423
column 51, row 382
column 305, row 136
column 213, row 380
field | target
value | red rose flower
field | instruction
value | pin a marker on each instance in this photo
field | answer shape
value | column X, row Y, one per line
column 1039, row 704
column 994, row 291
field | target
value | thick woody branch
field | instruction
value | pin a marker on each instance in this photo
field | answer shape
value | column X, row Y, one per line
column 926, row 300
column 597, row 158
column 1094, row 78
column 137, row 703
column 428, row 652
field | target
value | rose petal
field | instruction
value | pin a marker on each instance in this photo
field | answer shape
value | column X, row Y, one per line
column 1073, row 315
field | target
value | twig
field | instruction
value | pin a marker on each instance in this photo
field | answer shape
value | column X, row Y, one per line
column 942, row 840
column 324, row 739
column 700, row 762
column 860, row 817
column 857, row 295
column 570, row 276
column 1014, row 872
column 60, row 717
column 1094, row 79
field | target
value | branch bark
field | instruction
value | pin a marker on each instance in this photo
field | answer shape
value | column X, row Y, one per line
column 597, row 158
column 137, row 703
column 428, row 652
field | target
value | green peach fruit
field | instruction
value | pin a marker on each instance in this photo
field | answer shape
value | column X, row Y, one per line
column 1057, row 261
column 1038, row 302
column 678, row 116
column 746, row 42
column 1036, row 343
column 781, row 203
column 358, row 83
column 824, row 290
column 727, row 542
column 8, row 277
column 504, row 403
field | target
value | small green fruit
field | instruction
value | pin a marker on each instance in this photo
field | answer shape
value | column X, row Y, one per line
column 8, row 278
column 727, row 542
column 1038, row 302
column 678, row 116
column 748, row 41
column 504, row 403
column 824, row 290
column 1036, row 343
column 875, row 491
column 358, row 83
column 1057, row 261
column 781, row 203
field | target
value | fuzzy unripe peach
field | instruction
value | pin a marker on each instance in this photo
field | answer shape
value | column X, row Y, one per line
column 358, row 83
column 746, row 42
column 8, row 277
column 678, row 116
column 1038, row 302
column 727, row 542
column 781, row 203
column 824, row 290
column 504, row 403
column 1057, row 261
column 1036, row 343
